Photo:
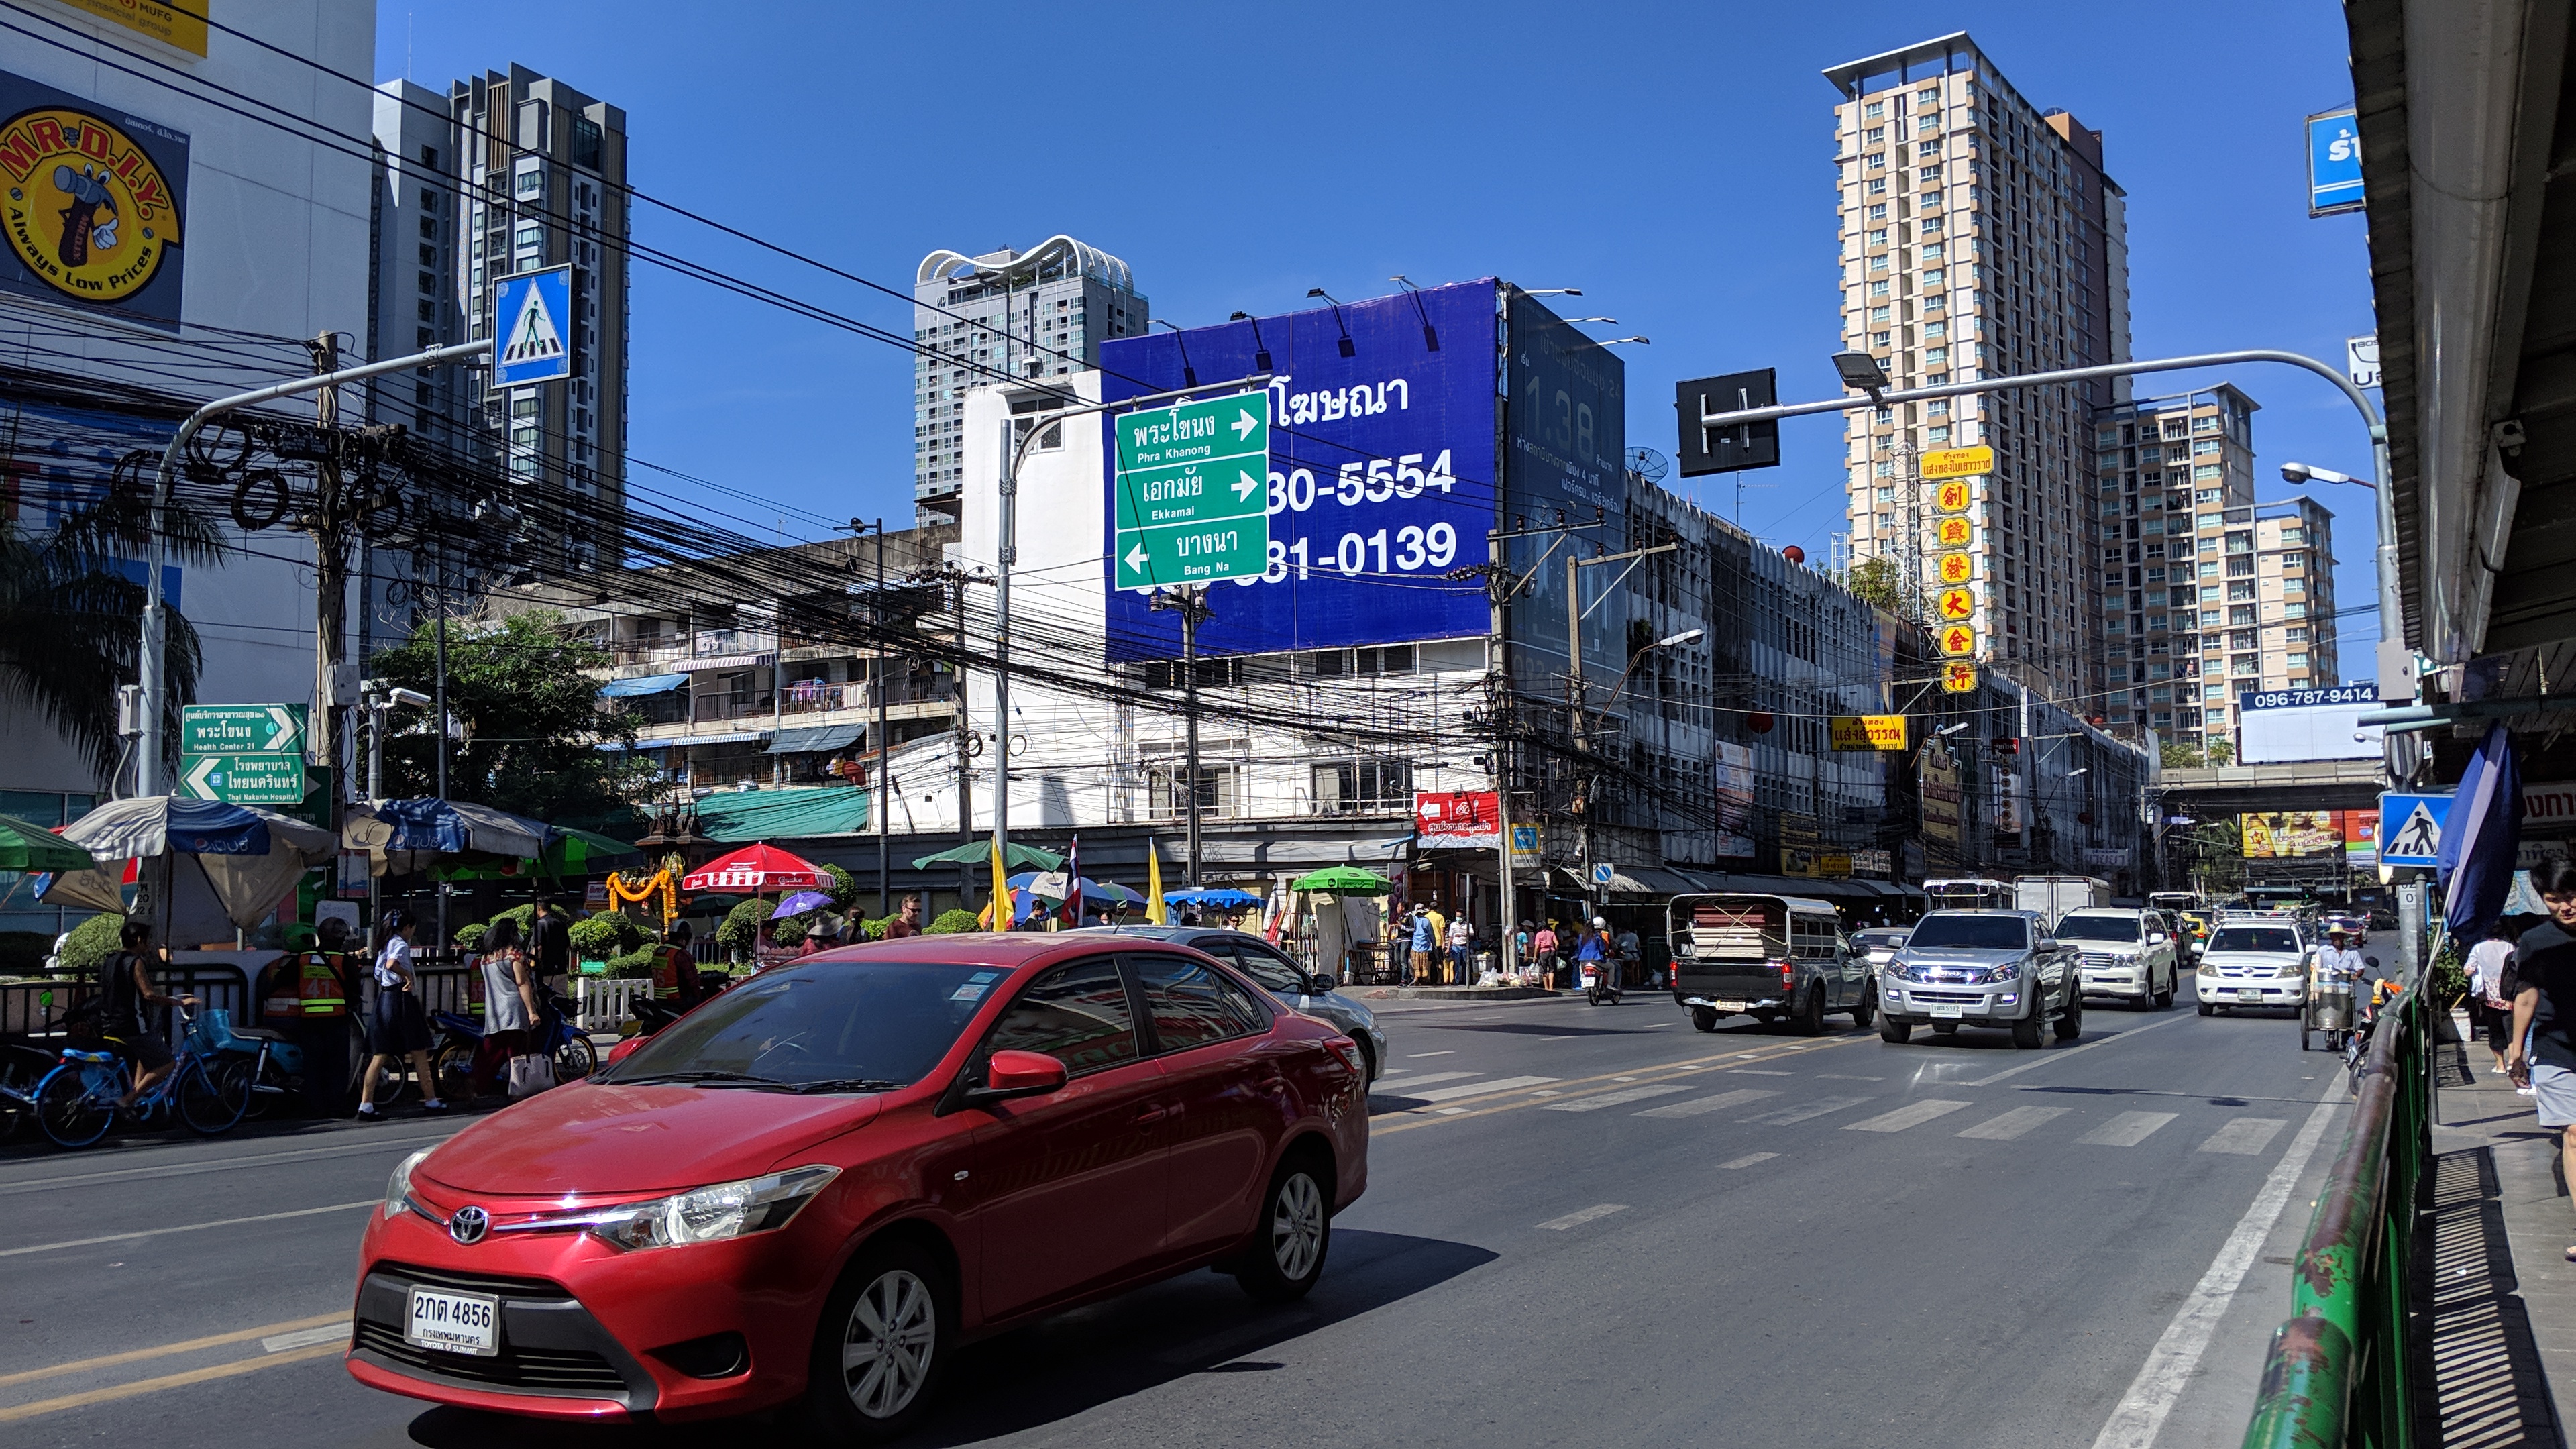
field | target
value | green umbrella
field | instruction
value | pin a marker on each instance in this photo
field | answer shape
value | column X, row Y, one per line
column 1021, row 857
column 32, row 847
column 1343, row 880
column 573, row 853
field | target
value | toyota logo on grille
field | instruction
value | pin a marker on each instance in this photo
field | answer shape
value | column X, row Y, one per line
column 469, row 1225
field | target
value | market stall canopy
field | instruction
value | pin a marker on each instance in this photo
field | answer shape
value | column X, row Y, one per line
column 638, row 687
column 402, row 836
column 1223, row 898
column 210, row 866
column 736, row 815
column 1343, row 879
column 755, row 868
column 981, row 853
column 813, row 739
column 571, row 854
column 1054, row 885
column 31, row 847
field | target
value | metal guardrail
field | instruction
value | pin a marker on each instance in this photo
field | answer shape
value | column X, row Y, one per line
column 2337, row 1373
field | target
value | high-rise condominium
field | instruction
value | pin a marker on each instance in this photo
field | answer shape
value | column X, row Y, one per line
column 1981, row 238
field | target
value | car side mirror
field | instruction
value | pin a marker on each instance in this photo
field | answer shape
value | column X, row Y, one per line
column 2048, row 943
column 1014, row 1073
column 2157, row 938
column 1320, row 984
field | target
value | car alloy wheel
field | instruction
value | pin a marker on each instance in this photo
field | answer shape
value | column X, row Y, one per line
column 887, row 1343
column 1297, row 1227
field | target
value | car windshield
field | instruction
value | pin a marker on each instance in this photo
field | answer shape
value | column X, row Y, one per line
column 2254, row 938
column 1878, row 940
column 2098, row 928
column 869, row 1025
column 1992, row 933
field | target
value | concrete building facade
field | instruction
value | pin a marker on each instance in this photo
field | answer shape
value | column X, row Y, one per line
column 1980, row 236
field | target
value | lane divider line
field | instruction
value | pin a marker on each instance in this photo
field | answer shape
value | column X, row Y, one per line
column 334, row 1332
column 2051, row 1058
column 1407, row 1121
column 2140, row 1414
column 140, row 1387
column 137, row 1355
column 337, row 1207
column 1578, row 1219
column 227, row 1164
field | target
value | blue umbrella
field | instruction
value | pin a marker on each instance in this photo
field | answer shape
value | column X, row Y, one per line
column 1223, row 898
column 2479, row 838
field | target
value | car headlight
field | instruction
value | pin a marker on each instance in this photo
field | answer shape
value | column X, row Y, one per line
column 2206, row 967
column 711, row 1214
column 2010, row 970
column 2291, row 968
column 398, row 1186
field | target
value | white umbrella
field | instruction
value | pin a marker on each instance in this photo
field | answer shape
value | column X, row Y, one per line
column 209, row 866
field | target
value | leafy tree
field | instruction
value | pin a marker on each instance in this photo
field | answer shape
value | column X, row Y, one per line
column 2222, row 752
column 739, row 932
column 2183, row 757
column 840, row 886
column 92, row 942
column 531, row 718
column 1874, row 581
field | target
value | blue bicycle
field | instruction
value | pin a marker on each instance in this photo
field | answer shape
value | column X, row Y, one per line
column 78, row 1101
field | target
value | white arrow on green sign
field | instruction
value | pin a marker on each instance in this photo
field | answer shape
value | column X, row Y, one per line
column 241, row 729
column 244, row 779
column 1193, row 491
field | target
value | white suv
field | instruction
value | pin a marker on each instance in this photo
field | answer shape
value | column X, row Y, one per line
column 2257, row 961
column 2127, row 954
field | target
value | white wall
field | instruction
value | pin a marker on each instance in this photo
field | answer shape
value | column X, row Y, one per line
column 276, row 243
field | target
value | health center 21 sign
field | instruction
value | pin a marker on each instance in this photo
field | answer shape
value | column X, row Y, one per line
column 93, row 204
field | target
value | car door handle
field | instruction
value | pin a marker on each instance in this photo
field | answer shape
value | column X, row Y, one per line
column 1148, row 1116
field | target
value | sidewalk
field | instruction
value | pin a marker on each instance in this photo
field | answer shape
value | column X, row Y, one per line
column 2496, row 1296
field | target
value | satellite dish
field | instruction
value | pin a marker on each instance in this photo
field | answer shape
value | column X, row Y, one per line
column 1648, row 464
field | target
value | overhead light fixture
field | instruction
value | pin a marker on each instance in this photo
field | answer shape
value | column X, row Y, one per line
column 1349, row 348
column 1861, row 371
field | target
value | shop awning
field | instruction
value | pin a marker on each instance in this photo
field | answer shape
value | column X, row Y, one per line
column 783, row 814
column 811, row 739
column 641, row 685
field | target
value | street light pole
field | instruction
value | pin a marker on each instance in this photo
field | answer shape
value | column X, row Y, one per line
column 1582, row 707
column 1192, row 605
column 885, row 903
column 154, row 663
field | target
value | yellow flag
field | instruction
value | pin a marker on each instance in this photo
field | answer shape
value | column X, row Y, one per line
column 1001, row 906
column 1154, row 912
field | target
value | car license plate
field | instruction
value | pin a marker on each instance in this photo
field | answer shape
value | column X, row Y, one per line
column 1726, row 1008
column 1940, row 1010
column 2249, row 995
column 468, row 1323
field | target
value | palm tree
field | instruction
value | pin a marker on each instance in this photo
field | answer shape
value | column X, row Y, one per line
column 71, row 616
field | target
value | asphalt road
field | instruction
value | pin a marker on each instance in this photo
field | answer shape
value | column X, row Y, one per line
column 1585, row 1225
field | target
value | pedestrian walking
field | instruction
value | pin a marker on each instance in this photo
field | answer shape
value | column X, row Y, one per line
column 907, row 921
column 1543, row 948
column 2541, row 1053
column 2490, row 995
column 1424, row 941
column 550, row 943
column 397, row 1027
column 1524, row 941
column 1462, row 940
column 510, row 1011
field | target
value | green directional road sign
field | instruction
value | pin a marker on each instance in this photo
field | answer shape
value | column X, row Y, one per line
column 241, row 729
column 1193, row 489
column 244, row 779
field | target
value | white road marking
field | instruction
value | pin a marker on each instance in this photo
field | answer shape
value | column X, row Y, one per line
column 306, row 1338
column 1845, row 1077
column 1659, row 1026
column 1623, row 1079
column 2141, row 1412
column 2245, row 1136
column 1452, row 1111
column 1719, row 1102
column 1758, row 1072
column 2014, row 1123
column 1912, row 1114
column 227, row 1164
column 1611, row 1099
column 337, row 1207
column 1747, row 1160
column 1789, row 1115
column 2127, row 1130
column 2054, row 1057
column 1568, row 1037
column 1478, row 1089
column 1449, row 1052
column 1429, row 1077
column 1576, row 1220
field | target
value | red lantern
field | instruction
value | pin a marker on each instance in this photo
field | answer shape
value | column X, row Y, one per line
column 1761, row 721
column 1794, row 554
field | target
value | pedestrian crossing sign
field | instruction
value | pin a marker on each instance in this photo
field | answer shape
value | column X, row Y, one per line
column 2410, row 828
column 532, row 328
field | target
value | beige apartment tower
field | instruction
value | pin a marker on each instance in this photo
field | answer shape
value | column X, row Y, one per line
column 1981, row 238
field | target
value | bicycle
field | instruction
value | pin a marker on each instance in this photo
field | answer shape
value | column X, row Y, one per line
column 77, row 1102
column 451, row 1064
column 21, row 1068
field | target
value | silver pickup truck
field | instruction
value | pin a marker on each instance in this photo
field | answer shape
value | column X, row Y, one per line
column 1981, row 968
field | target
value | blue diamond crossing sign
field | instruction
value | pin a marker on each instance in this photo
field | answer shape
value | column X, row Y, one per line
column 2410, row 828
column 532, row 328
column 1602, row 875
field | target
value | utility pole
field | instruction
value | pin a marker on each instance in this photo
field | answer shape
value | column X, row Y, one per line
column 1190, row 602
column 885, row 793
column 1575, row 690
column 965, row 738
column 1006, row 553
column 330, row 579
column 1498, row 700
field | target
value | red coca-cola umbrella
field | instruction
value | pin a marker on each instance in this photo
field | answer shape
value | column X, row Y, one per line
column 757, row 869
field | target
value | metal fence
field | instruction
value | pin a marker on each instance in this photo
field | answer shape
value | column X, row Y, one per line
column 2338, row 1369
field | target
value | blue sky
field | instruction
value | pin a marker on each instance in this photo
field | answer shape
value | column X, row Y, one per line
column 1670, row 160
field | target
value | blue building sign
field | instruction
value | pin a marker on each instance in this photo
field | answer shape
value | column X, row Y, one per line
column 1565, row 446
column 1382, row 473
column 2334, row 163
column 532, row 328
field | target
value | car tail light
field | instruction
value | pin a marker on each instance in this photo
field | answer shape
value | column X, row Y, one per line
column 1349, row 1051
column 1788, row 975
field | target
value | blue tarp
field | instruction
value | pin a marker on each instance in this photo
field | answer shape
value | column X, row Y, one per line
column 642, row 685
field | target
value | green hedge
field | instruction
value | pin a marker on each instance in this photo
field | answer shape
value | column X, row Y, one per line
column 92, row 942
column 951, row 923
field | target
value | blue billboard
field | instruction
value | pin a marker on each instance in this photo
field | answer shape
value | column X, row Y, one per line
column 2334, row 163
column 1382, row 472
column 1565, row 446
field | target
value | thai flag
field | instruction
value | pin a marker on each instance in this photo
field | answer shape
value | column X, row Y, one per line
column 1073, row 883
column 2479, row 839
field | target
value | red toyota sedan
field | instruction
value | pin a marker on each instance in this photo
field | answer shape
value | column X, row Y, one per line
column 817, row 1185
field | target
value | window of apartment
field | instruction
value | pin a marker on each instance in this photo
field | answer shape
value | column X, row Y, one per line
column 528, row 182
column 1873, row 136
column 1878, row 212
column 2205, row 471
column 2205, row 448
column 2204, row 425
column 1363, row 787
column 1220, row 791
column 530, row 235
